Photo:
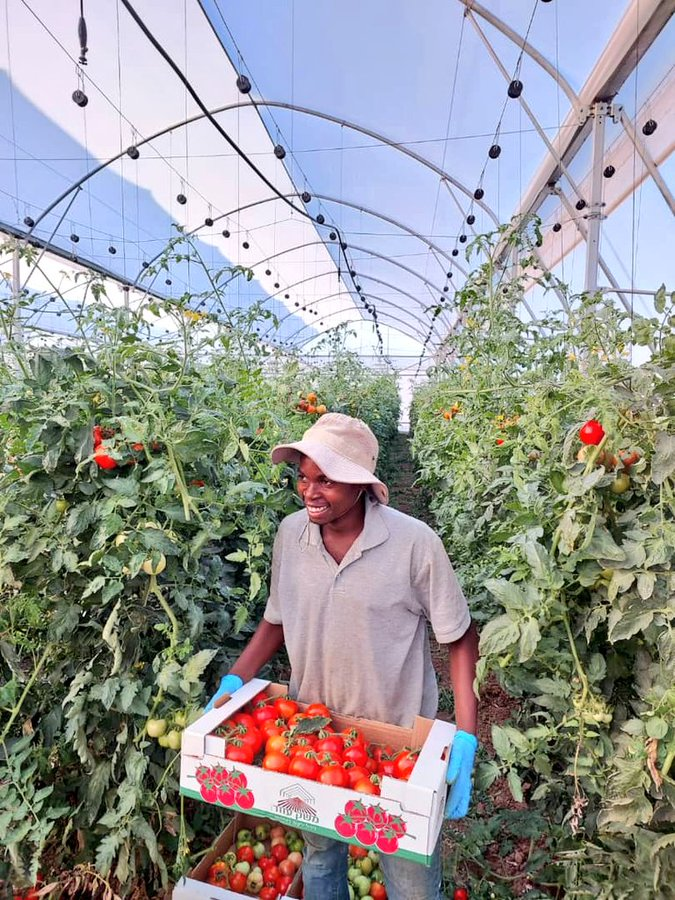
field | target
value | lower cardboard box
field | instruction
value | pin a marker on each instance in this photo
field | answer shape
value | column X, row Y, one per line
column 194, row 885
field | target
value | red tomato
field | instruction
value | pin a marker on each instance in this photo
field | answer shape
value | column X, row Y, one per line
column 275, row 761
column 268, row 892
column 276, row 742
column 250, row 737
column 378, row 891
column 357, row 852
column 245, row 854
column 591, row 432
column 271, row 873
column 355, row 753
column 324, row 758
column 378, row 751
column 279, row 852
column 303, row 766
column 283, row 884
column 239, row 753
column 285, row 707
column 238, row 882
column 387, row 767
column 405, row 763
column 356, row 773
column 244, row 718
column 271, row 727
column 296, row 717
column 318, row 709
column 332, row 744
column 103, row 461
column 460, row 894
column 287, row 866
column 367, row 786
column 263, row 713
column 335, row 775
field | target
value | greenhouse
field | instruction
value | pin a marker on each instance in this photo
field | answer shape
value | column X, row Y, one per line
column 230, row 235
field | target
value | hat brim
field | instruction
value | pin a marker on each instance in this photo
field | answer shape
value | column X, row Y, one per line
column 333, row 465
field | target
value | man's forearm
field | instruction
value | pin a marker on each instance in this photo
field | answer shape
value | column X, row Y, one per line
column 266, row 640
column 463, row 658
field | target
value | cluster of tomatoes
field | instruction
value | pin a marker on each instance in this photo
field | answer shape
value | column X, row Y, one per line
column 310, row 404
column 104, row 443
column 281, row 737
column 364, row 876
column 262, row 862
column 449, row 414
column 591, row 434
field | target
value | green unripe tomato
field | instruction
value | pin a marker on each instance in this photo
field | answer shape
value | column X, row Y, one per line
column 621, row 484
column 362, row 886
column 163, row 740
column 180, row 718
column 174, row 739
column 61, row 505
column 155, row 727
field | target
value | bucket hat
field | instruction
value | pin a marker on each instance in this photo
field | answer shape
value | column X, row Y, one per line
column 344, row 448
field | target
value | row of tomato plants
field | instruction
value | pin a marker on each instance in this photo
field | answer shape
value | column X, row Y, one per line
column 549, row 460
column 138, row 507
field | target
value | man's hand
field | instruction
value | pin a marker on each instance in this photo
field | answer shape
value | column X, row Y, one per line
column 462, row 755
column 228, row 685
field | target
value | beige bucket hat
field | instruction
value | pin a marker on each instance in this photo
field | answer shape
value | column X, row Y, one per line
column 344, row 448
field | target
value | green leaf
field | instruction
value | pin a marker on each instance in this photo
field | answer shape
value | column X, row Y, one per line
column 645, row 584
column 256, row 584
column 237, row 556
column 240, row 617
column 603, row 546
column 656, row 727
column 529, row 639
column 94, row 585
column 515, row 785
column 196, row 665
column 663, row 463
column 621, row 626
column 310, row 725
column 501, row 742
column 510, row 594
column 498, row 635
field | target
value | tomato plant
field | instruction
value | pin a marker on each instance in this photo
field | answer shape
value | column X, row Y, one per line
column 568, row 562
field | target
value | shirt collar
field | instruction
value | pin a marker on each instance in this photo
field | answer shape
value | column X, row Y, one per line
column 374, row 532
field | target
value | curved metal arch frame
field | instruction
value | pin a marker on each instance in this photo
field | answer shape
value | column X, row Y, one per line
column 388, row 284
column 414, row 332
column 417, row 334
column 353, row 309
column 364, row 294
column 522, row 44
column 361, row 249
column 299, row 347
column 326, row 198
column 247, row 104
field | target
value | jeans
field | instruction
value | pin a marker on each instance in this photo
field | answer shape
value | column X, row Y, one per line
column 324, row 872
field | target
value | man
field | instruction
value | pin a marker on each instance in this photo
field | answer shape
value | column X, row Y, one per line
column 353, row 586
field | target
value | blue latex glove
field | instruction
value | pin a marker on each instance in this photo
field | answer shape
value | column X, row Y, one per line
column 462, row 755
column 228, row 685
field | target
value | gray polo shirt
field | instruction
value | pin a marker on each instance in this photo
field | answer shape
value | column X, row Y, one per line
column 356, row 632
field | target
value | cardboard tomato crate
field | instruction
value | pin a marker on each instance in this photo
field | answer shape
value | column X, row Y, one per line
column 404, row 819
column 193, row 885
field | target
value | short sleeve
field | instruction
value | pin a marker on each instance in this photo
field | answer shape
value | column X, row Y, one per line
column 437, row 590
column 272, row 613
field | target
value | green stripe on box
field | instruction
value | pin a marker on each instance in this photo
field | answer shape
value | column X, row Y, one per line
column 306, row 826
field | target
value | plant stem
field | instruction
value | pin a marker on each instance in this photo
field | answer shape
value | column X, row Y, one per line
column 29, row 684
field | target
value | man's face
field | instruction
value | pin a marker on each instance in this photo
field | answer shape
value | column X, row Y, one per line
column 325, row 501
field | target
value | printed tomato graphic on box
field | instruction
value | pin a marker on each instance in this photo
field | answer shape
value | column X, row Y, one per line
column 370, row 825
column 218, row 784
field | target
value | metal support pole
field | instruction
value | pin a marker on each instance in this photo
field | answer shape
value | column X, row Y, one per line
column 599, row 112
